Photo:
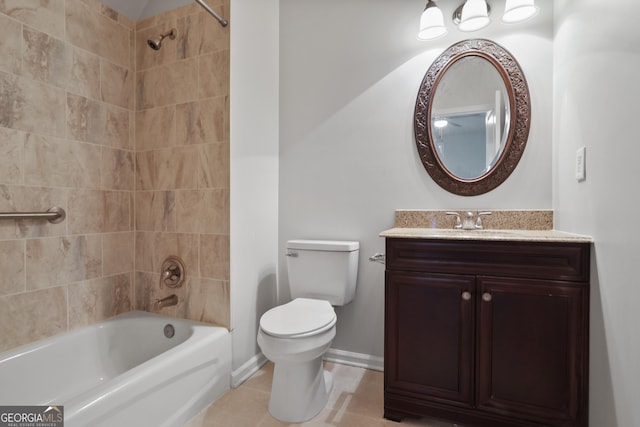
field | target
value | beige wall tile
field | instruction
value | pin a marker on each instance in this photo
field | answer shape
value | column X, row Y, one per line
column 88, row 28
column 208, row 301
column 12, row 279
column 117, row 253
column 117, row 133
column 43, row 15
column 214, row 165
column 118, row 17
column 86, row 119
column 53, row 61
column 198, row 34
column 30, row 199
column 214, row 256
column 31, row 106
column 203, row 121
column 83, row 75
column 61, row 260
column 12, row 155
column 57, row 162
column 97, row 211
column 132, row 209
column 116, row 84
column 178, row 83
column 156, row 128
column 31, row 316
column 203, row 211
column 152, row 248
column 117, row 169
column 96, row 300
column 10, row 42
column 155, row 211
column 146, row 175
column 96, row 122
column 168, row 169
column 213, row 74
column 176, row 168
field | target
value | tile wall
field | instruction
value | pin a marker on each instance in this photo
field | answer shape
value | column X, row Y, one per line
column 70, row 97
column 182, row 161
column 66, row 139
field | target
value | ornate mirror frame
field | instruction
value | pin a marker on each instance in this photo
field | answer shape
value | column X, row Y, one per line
column 520, row 110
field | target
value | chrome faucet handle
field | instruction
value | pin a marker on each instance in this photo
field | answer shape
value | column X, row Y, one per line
column 458, row 223
column 479, row 225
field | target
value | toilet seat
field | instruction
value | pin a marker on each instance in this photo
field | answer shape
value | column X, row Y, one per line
column 299, row 318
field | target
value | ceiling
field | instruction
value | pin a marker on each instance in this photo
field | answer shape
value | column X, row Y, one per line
column 140, row 9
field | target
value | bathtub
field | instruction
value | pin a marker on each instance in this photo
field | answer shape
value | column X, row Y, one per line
column 122, row 372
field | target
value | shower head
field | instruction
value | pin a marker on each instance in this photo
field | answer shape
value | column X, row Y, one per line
column 156, row 42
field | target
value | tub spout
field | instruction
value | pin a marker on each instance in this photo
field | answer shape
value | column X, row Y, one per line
column 166, row 302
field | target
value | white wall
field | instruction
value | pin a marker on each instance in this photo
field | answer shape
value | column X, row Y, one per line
column 596, row 63
column 254, row 172
column 349, row 76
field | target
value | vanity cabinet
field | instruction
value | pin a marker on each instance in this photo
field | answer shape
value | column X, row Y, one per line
column 487, row 333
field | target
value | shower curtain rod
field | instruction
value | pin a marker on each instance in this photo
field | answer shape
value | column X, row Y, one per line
column 221, row 20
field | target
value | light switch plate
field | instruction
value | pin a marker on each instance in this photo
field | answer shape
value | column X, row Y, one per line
column 581, row 162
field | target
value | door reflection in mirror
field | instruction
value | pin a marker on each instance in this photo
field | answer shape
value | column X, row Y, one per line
column 470, row 117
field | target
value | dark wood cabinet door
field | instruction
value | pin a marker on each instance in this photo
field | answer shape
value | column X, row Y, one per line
column 429, row 336
column 532, row 349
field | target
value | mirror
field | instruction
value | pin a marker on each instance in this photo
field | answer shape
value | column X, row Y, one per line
column 472, row 117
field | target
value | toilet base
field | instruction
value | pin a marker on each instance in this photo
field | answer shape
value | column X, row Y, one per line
column 299, row 390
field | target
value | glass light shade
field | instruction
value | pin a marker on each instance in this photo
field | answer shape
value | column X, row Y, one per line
column 440, row 123
column 431, row 23
column 519, row 10
column 474, row 16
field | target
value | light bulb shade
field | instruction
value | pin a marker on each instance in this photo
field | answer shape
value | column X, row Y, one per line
column 474, row 15
column 431, row 23
column 519, row 10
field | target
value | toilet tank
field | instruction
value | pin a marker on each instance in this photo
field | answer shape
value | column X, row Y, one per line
column 323, row 269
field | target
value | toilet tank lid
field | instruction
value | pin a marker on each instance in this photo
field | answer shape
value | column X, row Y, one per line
column 324, row 245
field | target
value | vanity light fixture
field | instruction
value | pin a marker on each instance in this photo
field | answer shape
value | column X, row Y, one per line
column 431, row 22
column 472, row 15
column 519, row 10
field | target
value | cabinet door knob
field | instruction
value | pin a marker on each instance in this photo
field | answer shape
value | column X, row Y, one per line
column 487, row 297
column 466, row 295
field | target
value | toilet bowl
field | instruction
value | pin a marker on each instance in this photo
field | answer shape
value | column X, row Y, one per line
column 295, row 336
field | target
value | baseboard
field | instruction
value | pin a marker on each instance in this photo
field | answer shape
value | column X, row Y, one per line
column 249, row 368
column 355, row 359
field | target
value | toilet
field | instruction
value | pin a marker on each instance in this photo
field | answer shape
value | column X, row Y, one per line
column 296, row 335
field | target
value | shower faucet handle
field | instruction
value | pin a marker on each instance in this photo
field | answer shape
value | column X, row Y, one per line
column 172, row 273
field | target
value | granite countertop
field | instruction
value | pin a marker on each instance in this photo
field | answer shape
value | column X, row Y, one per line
column 492, row 235
column 501, row 225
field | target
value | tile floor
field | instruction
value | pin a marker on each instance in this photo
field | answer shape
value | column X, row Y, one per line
column 355, row 401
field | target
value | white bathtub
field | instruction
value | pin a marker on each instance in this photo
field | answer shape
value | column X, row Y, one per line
column 122, row 372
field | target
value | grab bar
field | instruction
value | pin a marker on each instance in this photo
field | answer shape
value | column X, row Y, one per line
column 54, row 215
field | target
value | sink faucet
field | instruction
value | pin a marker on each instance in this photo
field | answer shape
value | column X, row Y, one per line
column 166, row 302
column 468, row 223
